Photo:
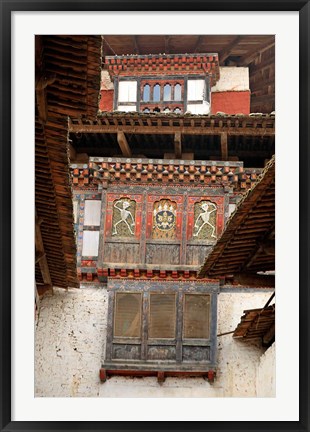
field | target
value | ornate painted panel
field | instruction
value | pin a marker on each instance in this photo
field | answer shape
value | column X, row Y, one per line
column 205, row 218
column 164, row 219
column 123, row 216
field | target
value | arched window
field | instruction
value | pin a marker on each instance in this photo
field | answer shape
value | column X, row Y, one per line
column 177, row 92
column 177, row 110
column 156, row 93
column 146, row 110
column 156, row 109
column 166, row 110
column 167, row 92
column 146, row 93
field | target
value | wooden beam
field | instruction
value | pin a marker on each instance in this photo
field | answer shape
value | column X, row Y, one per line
column 122, row 142
column 224, row 146
column 225, row 53
column 178, row 145
column 171, row 130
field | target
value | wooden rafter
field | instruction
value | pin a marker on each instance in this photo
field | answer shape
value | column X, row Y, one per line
column 225, row 53
column 247, row 58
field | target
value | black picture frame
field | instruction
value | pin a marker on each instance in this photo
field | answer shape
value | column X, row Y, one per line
column 7, row 7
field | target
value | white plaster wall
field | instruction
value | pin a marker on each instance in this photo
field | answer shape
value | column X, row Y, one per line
column 238, row 360
column 106, row 83
column 266, row 373
column 70, row 337
column 232, row 79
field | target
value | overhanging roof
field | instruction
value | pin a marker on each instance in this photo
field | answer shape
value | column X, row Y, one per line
column 257, row 324
column 247, row 244
column 67, row 83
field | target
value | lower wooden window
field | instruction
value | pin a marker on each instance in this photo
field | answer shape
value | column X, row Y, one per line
column 127, row 322
column 162, row 316
column 196, row 316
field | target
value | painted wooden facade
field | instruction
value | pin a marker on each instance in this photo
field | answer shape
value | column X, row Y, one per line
column 144, row 227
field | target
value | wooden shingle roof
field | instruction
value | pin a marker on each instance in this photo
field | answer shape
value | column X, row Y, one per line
column 257, row 324
column 247, row 244
column 67, row 84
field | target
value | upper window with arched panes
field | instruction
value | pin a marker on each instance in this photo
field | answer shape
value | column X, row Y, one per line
column 167, row 92
column 156, row 93
column 146, row 93
column 177, row 92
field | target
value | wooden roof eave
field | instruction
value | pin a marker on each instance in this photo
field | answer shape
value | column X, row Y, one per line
column 54, row 104
column 248, row 202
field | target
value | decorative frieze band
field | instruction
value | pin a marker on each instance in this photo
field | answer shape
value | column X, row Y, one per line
column 207, row 63
column 121, row 170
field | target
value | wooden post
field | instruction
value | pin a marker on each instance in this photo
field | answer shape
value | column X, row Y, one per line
column 178, row 145
column 122, row 142
column 224, row 146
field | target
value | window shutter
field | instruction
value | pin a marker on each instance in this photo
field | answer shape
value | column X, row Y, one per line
column 127, row 319
column 162, row 316
column 197, row 316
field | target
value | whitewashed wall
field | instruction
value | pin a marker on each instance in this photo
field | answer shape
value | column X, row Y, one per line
column 70, row 338
column 266, row 382
column 232, row 79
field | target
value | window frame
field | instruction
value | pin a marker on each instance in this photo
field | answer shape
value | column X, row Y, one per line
column 92, row 228
column 206, row 98
column 147, row 346
column 161, row 104
column 117, row 102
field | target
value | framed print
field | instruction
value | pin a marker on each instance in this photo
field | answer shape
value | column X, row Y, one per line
column 155, row 180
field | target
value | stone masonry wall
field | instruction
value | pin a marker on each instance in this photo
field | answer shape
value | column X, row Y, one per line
column 69, row 347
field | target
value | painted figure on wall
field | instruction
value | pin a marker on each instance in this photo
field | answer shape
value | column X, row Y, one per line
column 205, row 220
column 164, row 219
column 123, row 221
